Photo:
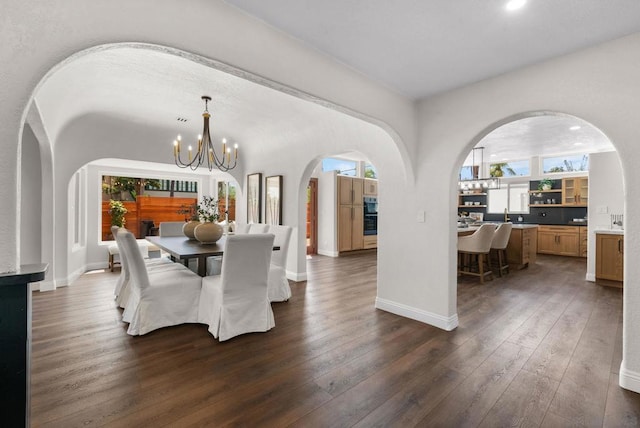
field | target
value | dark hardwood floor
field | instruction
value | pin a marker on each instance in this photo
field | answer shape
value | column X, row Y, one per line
column 539, row 347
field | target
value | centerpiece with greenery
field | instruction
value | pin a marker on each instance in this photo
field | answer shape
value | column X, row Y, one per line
column 208, row 209
column 208, row 231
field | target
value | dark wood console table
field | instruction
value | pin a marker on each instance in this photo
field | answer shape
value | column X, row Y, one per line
column 15, row 343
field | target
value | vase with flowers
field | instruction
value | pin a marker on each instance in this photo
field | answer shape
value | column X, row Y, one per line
column 208, row 231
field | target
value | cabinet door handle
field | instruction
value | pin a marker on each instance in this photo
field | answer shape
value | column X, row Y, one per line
column 352, row 196
column 351, row 213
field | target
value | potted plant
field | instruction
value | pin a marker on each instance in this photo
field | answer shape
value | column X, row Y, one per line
column 117, row 212
column 208, row 231
column 545, row 184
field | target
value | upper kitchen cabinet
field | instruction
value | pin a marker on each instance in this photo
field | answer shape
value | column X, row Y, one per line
column 370, row 187
column 350, row 190
column 575, row 191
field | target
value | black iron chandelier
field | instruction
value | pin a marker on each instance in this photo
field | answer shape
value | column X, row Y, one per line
column 206, row 153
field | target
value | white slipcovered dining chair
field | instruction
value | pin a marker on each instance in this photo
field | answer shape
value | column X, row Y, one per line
column 171, row 228
column 499, row 245
column 473, row 252
column 258, row 228
column 121, row 290
column 158, row 298
column 240, row 228
column 236, row 301
column 279, row 289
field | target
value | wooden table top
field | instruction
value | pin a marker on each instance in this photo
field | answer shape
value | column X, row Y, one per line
column 182, row 247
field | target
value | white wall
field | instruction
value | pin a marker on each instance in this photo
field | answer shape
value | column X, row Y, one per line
column 416, row 269
column 327, row 214
column 606, row 197
column 31, row 209
column 599, row 85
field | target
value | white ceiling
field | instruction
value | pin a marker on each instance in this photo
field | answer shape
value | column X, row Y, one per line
column 422, row 47
column 416, row 47
column 541, row 136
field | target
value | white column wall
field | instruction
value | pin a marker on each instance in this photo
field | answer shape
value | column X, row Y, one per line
column 606, row 191
column 31, row 227
column 599, row 85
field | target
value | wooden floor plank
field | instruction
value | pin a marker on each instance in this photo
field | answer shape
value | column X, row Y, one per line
column 540, row 346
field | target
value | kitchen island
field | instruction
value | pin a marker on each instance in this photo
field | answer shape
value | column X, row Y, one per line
column 522, row 247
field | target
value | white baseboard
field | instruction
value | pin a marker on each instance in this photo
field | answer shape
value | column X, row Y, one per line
column 591, row 277
column 328, row 253
column 629, row 379
column 48, row 285
column 297, row 276
column 445, row 323
column 96, row 266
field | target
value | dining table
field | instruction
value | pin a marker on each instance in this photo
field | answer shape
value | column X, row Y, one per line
column 183, row 249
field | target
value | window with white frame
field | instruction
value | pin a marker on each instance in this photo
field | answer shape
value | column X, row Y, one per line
column 568, row 163
column 514, row 197
column 343, row 166
column 519, row 168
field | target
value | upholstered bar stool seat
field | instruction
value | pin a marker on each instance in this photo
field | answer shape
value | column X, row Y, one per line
column 499, row 246
column 473, row 252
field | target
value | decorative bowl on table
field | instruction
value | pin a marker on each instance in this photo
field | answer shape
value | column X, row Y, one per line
column 189, row 228
column 208, row 232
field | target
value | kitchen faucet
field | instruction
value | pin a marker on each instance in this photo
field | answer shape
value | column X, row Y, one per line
column 506, row 218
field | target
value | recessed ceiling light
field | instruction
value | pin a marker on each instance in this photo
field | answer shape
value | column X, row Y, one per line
column 494, row 155
column 578, row 144
column 505, row 158
column 515, row 4
column 574, row 128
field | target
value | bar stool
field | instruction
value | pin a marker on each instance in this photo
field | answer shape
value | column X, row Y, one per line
column 473, row 252
column 499, row 245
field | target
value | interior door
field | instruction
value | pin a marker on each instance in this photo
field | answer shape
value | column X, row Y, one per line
column 312, row 217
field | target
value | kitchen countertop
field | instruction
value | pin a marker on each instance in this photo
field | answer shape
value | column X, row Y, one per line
column 524, row 226
column 474, row 227
column 610, row 231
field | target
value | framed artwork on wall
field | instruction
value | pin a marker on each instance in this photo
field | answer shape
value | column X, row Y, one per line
column 273, row 200
column 254, row 198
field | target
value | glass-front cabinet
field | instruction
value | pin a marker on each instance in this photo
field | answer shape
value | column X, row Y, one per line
column 575, row 191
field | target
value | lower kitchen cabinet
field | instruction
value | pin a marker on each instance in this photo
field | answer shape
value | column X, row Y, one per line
column 559, row 240
column 583, row 232
column 609, row 256
column 370, row 241
column 522, row 247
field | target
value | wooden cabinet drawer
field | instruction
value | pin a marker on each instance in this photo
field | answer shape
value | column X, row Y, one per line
column 568, row 229
column 370, row 241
